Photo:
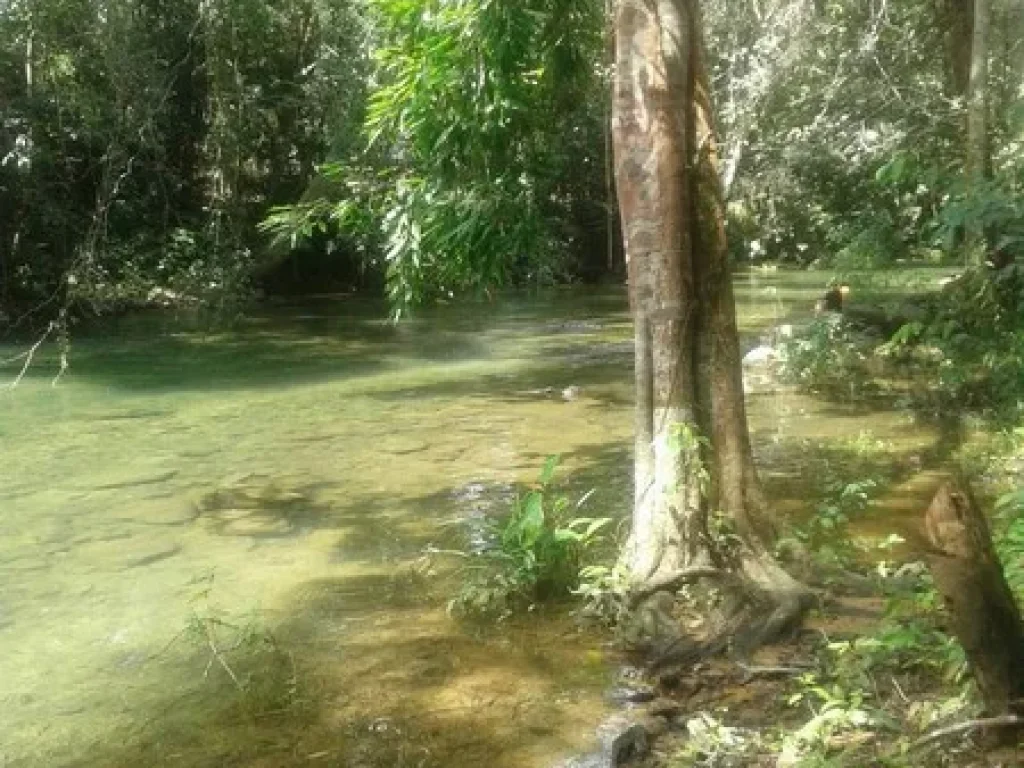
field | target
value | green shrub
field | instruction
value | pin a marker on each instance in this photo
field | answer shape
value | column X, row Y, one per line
column 828, row 357
column 538, row 553
column 1010, row 539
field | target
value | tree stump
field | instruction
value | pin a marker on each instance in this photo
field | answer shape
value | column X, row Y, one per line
column 982, row 612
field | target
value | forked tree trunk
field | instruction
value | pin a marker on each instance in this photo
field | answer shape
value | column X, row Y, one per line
column 688, row 375
column 982, row 612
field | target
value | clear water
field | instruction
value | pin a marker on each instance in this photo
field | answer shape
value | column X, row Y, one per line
column 181, row 497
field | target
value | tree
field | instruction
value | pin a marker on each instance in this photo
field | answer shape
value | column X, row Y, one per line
column 140, row 142
column 692, row 453
column 958, row 22
column 978, row 154
column 983, row 613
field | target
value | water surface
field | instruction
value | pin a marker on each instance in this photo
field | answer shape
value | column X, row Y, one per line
column 188, row 507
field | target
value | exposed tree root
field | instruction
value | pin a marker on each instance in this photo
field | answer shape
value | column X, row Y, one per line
column 670, row 582
column 759, row 603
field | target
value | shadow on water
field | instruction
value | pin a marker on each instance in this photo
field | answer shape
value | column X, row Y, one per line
column 337, row 340
column 362, row 671
column 323, row 691
column 383, row 530
column 903, row 457
column 315, row 505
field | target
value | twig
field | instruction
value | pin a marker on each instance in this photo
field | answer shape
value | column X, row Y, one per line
column 219, row 657
column 950, row 730
column 750, row 672
column 63, row 366
column 899, row 690
column 28, row 355
column 432, row 550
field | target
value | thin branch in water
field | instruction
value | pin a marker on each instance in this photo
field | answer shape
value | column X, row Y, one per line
column 216, row 654
column 28, row 356
column 750, row 672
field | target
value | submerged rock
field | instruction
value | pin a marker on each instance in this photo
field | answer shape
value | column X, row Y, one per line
column 631, row 694
column 624, row 738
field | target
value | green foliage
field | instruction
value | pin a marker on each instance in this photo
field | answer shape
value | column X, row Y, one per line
column 860, row 713
column 603, row 591
column 995, row 208
column 969, row 345
column 824, row 537
column 189, row 269
column 825, row 534
column 828, row 356
column 711, row 743
column 241, row 651
column 140, row 143
column 839, row 712
column 484, row 144
column 538, row 554
column 1010, row 539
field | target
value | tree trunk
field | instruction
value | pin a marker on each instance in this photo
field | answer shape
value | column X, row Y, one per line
column 958, row 21
column 691, row 426
column 982, row 612
column 737, row 488
column 650, row 117
column 977, row 122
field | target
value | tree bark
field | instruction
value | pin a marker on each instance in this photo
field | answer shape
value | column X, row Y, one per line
column 650, row 116
column 982, row 612
column 737, row 488
column 693, row 450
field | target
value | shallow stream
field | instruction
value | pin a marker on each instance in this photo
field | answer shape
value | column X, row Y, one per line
column 188, row 514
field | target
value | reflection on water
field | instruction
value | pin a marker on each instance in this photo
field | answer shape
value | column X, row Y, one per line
column 186, row 508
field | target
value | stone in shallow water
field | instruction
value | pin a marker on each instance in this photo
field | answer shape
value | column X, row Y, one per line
column 571, row 393
column 624, row 738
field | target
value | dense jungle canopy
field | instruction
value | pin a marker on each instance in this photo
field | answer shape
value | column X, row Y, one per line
column 176, row 150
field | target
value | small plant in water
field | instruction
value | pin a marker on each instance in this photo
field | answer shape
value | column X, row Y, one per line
column 538, row 552
column 244, row 650
column 829, row 357
column 824, row 536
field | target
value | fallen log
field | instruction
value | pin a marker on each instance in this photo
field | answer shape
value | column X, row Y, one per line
column 983, row 614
